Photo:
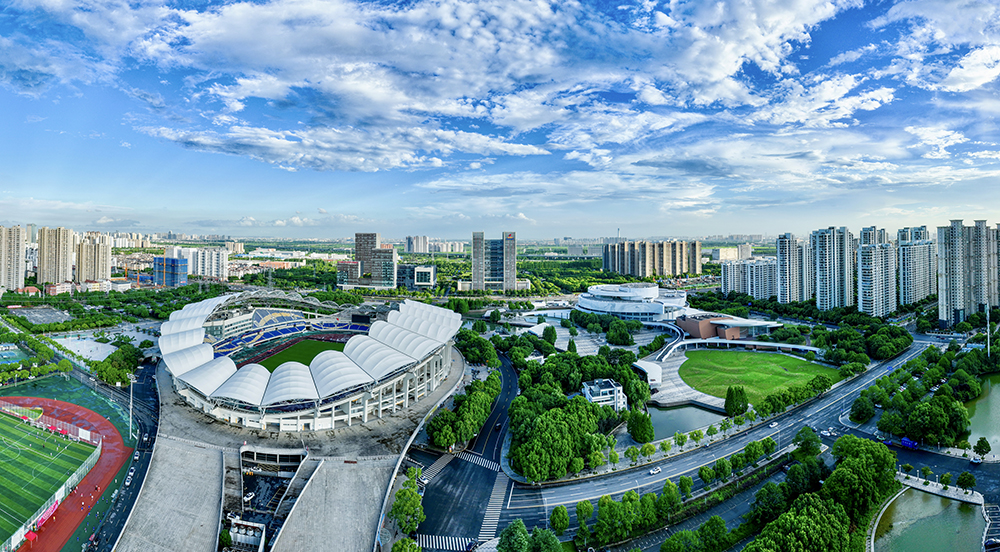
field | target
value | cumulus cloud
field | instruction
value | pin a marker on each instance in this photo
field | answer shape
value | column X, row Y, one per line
column 108, row 221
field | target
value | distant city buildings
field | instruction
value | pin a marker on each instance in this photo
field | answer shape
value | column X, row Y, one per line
column 967, row 270
column 445, row 247
column 755, row 277
column 374, row 265
column 170, row 271
column 55, row 255
column 417, row 244
column 876, row 273
column 833, row 264
column 652, row 259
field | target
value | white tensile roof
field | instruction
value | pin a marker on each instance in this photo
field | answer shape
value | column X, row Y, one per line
column 247, row 385
column 409, row 335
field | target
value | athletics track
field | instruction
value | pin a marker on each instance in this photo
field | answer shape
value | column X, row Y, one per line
column 56, row 532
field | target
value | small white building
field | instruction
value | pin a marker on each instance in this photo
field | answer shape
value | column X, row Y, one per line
column 653, row 371
column 606, row 392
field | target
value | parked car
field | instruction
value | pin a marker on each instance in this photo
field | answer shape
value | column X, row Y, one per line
column 249, row 496
column 976, row 460
column 128, row 481
column 654, row 471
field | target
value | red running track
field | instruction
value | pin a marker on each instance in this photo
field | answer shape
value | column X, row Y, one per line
column 56, row 532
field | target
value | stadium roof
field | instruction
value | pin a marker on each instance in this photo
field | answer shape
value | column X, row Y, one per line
column 412, row 333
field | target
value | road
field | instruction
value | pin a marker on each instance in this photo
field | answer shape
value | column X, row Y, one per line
column 533, row 504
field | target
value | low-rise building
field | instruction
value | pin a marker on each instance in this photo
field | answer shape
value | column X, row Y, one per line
column 606, row 392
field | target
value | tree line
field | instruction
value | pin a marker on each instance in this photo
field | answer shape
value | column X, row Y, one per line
column 467, row 416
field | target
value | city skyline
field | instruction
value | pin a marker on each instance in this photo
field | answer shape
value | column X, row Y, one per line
column 318, row 119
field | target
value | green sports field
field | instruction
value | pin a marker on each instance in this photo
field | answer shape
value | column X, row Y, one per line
column 33, row 465
column 303, row 351
column 761, row 374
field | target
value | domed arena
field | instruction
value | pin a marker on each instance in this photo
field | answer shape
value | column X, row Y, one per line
column 280, row 362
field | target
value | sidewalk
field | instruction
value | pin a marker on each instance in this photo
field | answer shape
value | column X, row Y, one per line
column 932, row 487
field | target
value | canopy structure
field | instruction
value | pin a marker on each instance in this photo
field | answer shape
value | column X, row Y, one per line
column 408, row 336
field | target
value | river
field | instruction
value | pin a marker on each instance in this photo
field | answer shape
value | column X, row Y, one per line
column 984, row 414
column 922, row 522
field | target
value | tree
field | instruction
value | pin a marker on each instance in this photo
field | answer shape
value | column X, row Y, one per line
column 752, row 452
column 751, row 416
column 946, row 480
column 737, row 461
column 768, row 446
column 726, row 425
column 495, row 316
column 768, row 504
column 736, row 400
column 982, row 447
column 480, row 327
column 926, row 472
column 145, row 344
column 596, row 459
column 862, row 410
column 685, row 484
column 514, row 538
column 543, row 540
column 640, row 426
column 559, row 519
column 665, row 446
column 613, row 456
column 407, row 509
column 584, row 511
column 406, row 545
column 713, row 534
column 576, row 465
column 571, row 347
column 907, row 468
column 669, row 500
column 549, row 334
column 680, row 439
column 723, row 469
column 226, row 539
column 711, row 431
column 633, row 454
column 707, row 475
column 808, row 443
column 966, row 481
column 648, row 450
column 799, row 529
column 697, row 435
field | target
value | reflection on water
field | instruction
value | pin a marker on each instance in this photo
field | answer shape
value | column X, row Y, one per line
column 984, row 413
column 919, row 522
column 682, row 418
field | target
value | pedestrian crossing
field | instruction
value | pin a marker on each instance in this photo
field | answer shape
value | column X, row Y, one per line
column 437, row 542
column 437, row 466
column 493, row 508
column 476, row 459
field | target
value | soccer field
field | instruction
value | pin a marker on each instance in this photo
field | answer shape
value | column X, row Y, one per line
column 761, row 374
column 303, row 351
column 33, row 465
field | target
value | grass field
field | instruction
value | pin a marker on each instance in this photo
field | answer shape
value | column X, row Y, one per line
column 761, row 374
column 33, row 464
column 303, row 351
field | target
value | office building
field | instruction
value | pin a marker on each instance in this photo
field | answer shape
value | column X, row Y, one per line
column 383, row 268
column 416, row 244
column 494, row 262
column 755, row 277
column 652, row 259
column 211, row 262
column 795, row 269
column 348, row 273
column 416, row 278
column 364, row 244
column 916, row 263
column 170, row 272
column 12, row 248
column 93, row 258
column 55, row 255
column 967, row 270
column 833, row 262
column 876, row 273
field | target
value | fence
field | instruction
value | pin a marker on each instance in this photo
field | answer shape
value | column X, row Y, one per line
column 49, row 508
column 51, row 424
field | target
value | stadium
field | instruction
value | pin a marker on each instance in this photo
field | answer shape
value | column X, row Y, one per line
column 216, row 351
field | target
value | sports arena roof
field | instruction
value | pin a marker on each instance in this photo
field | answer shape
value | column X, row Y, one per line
column 412, row 333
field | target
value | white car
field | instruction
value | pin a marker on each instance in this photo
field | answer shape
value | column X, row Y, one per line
column 773, row 425
column 249, row 497
column 128, row 481
column 654, row 471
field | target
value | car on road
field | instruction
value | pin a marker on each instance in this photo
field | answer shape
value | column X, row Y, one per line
column 135, row 457
column 471, row 546
column 249, row 496
column 976, row 460
column 654, row 471
column 497, row 427
column 423, row 481
column 131, row 471
column 145, row 438
column 824, row 433
column 773, row 425
column 128, row 481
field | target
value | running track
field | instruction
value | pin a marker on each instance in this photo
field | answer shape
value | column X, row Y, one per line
column 52, row 537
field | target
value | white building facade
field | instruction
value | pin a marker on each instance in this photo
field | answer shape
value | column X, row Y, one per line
column 606, row 392
column 833, row 262
column 755, row 277
column 12, row 248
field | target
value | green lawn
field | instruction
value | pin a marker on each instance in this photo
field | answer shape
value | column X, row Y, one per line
column 303, row 351
column 33, row 465
column 761, row 374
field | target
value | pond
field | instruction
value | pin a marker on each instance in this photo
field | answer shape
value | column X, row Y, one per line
column 919, row 521
column 984, row 413
column 666, row 421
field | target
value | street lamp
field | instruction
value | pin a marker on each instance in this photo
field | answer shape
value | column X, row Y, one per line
column 131, row 382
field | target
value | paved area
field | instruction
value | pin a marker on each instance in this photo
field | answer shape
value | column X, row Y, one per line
column 44, row 315
column 673, row 391
column 86, row 347
column 936, row 488
column 334, row 511
column 179, row 507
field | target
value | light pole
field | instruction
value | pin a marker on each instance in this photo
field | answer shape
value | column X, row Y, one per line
column 131, row 382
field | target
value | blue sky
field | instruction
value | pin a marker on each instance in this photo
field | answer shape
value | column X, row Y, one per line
column 305, row 118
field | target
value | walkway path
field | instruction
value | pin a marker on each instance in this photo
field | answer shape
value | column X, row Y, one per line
column 673, row 391
column 54, row 535
column 932, row 487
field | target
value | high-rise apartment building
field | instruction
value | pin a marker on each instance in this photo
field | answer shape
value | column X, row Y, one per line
column 916, row 263
column 494, row 262
column 876, row 273
column 55, row 255
column 795, row 269
column 754, row 277
column 364, row 244
column 211, row 262
column 93, row 258
column 416, row 244
column 170, row 272
column 744, row 251
column 645, row 259
column 12, row 247
column 967, row 270
column 833, row 260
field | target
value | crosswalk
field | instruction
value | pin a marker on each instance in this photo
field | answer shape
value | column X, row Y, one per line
column 476, row 459
column 493, row 508
column 437, row 466
column 437, row 542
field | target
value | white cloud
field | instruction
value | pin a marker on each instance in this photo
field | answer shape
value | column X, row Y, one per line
column 975, row 69
column 938, row 139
